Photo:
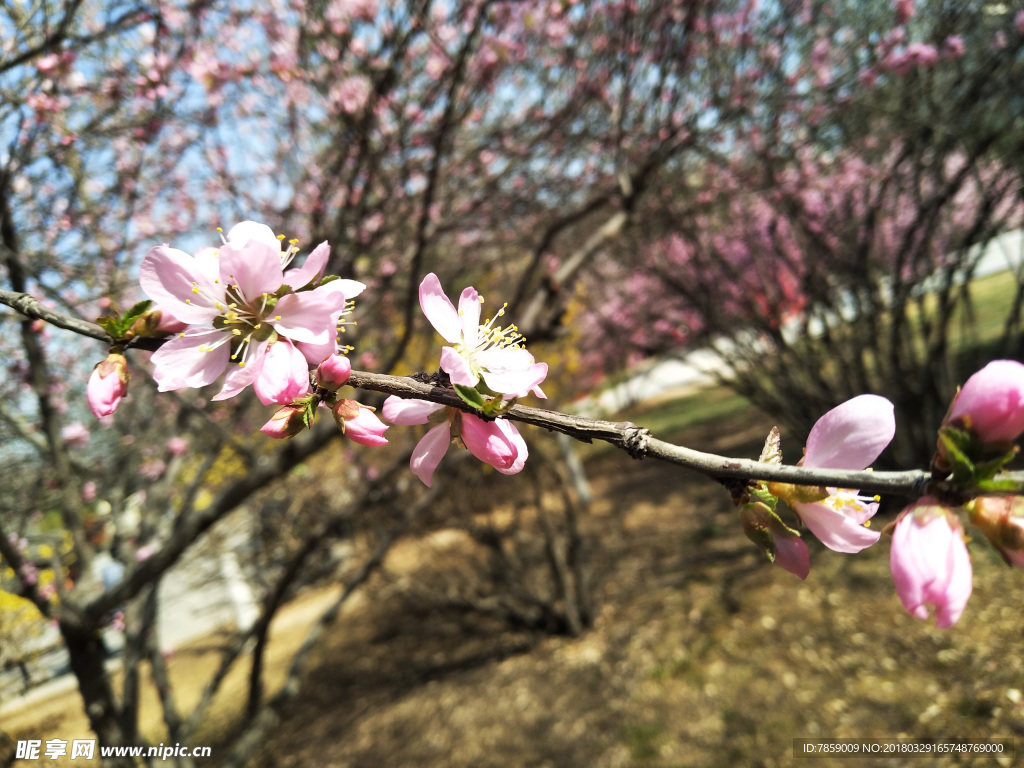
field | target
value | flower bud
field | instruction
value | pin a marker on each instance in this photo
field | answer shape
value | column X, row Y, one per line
column 107, row 385
column 1001, row 519
column 333, row 372
column 991, row 403
column 359, row 423
column 782, row 545
column 287, row 422
column 929, row 561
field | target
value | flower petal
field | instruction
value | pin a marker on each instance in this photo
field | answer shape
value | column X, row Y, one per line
column 305, row 317
column 185, row 361
column 522, row 452
column 439, row 310
column 852, row 434
column 791, row 554
column 312, row 269
column 429, row 452
column 244, row 231
column 408, row 412
column 834, row 529
column 488, row 442
column 283, row 374
column 469, row 316
column 179, row 282
column 254, row 267
column 458, row 368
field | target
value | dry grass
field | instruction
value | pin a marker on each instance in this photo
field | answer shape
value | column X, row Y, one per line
column 701, row 654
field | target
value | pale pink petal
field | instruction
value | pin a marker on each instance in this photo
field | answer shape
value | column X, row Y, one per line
column 469, row 314
column 312, row 269
column 852, row 434
column 339, row 291
column 283, row 375
column 175, row 280
column 406, row 413
column 522, row 452
column 305, row 317
column 182, row 362
column 954, row 599
column 241, row 376
column 429, row 452
column 516, row 382
column 488, row 442
column 834, row 529
column 458, row 368
column 242, row 233
column 255, row 268
column 315, row 353
column 439, row 310
column 366, row 429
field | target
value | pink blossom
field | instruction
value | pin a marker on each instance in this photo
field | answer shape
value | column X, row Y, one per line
column 991, row 403
column 850, row 436
column 359, row 423
column 237, row 304
column 495, row 354
column 176, row 446
column 497, row 442
column 75, row 433
column 954, row 47
column 904, row 11
column 153, row 468
column 89, row 491
column 929, row 562
column 107, row 385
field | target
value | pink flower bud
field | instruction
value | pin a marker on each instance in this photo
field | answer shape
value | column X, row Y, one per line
column 783, row 546
column 359, row 423
column 333, row 372
column 89, row 491
column 75, row 433
column 107, row 385
column 288, row 421
column 929, row 562
column 991, row 403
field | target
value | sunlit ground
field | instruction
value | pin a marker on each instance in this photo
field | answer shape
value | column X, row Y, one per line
column 701, row 654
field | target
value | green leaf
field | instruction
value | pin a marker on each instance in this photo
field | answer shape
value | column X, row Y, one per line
column 133, row 314
column 111, row 325
column 470, row 396
column 498, row 406
column 997, row 485
column 954, row 443
column 762, row 494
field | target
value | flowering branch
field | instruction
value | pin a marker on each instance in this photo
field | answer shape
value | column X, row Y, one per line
column 635, row 440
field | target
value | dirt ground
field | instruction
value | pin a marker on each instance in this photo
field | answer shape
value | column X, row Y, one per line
column 701, row 653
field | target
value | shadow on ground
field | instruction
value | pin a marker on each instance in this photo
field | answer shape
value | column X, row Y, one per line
column 701, row 654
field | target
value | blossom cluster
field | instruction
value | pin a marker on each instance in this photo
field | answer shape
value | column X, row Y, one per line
column 481, row 356
column 241, row 309
column 928, row 558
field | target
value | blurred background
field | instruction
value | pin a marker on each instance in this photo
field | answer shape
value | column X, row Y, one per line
column 708, row 218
